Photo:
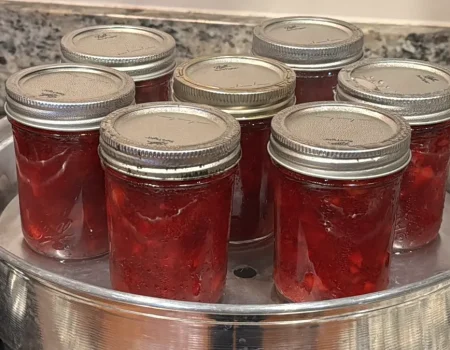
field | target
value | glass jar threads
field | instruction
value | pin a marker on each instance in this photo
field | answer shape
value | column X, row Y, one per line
column 419, row 92
column 55, row 112
column 170, row 171
column 315, row 48
column 338, row 169
column 147, row 55
column 252, row 90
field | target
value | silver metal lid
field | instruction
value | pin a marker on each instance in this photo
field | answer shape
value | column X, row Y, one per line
column 309, row 43
column 244, row 86
column 416, row 90
column 170, row 141
column 141, row 52
column 335, row 140
column 66, row 97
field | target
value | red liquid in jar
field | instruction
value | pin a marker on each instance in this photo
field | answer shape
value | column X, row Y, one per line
column 333, row 238
column 153, row 90
column 316, row 86
column 423, row 188
column 169, row 239
column 61, row 192
column 252, row 215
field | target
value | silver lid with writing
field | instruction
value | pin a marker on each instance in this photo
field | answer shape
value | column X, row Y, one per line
column 336, row 140
column 309, row 43
column 418, row 91
column 170, row 141
column 66, row 97
column 244, row 86
column 141, row 52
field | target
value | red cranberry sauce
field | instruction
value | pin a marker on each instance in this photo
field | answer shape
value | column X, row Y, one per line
column 169, row 239
column 61, row 192
column 423, row 188
column 153, row 90
column 252, row 215
column 316, row 86
column 333, row 237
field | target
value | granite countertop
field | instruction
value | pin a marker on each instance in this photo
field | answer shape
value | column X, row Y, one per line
column 31, row 32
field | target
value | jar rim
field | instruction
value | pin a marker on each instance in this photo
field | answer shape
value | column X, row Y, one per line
column 150, row 55
column 318, row 43
column 335, row 140
column 41, row 96
column 423, row 97
column 145, row 141
column 245, row 86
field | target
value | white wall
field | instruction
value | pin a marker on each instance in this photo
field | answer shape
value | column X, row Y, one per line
column 432, row 12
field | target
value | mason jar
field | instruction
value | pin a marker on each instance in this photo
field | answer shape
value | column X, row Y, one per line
column 55, row 112
column 252, row 90
column 338, row 169
column 315, row 48
column 146, row 54
column 420, row 93
column 170, row 171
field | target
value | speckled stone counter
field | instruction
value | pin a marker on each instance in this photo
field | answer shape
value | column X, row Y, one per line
column 30, row 34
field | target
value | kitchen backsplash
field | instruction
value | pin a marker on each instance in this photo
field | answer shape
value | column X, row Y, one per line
column 31, row 32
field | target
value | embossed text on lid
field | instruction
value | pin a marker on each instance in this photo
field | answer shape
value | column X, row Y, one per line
column 143, row 53
column 418, row 91
column 339, row 141
column 66, row 97
column 244, row 86
column 170, row 141
column 309, row 43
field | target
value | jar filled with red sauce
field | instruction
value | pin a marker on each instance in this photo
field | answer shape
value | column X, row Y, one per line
column 170, row 171
column 55, row 112
column 147, row 55
column 315, row 48
column 338, row 169
column 253, row 90
column 419, row 92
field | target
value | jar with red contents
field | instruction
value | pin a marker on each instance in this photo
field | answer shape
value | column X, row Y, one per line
column 338, row 170
column 170, row 171
column 252, row 90
column 315, row 48
column 419, row 92
column 55, row 112
column 147, row 55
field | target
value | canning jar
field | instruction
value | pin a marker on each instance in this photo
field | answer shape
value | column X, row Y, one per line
column 338, row 169
column 147, row 55
column 315, row 48
column 252, row 90
column 169, row 182
column 55, row 112
column 419, row 92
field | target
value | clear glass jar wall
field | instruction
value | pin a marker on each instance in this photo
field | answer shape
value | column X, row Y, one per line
column 338, row 169
column 419, row 92
column 169, row 198
column 56, row 138
column 252, row 90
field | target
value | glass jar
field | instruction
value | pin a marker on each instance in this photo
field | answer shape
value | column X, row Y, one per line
column 168, row 197
column 315, row 48
column 338, row 169
column 252, row 90
column 55, row 112
column 147, row 55
column 419, row 92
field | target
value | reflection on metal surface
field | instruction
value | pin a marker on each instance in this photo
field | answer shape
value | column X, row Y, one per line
column 49, row 305
column 16, row 288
